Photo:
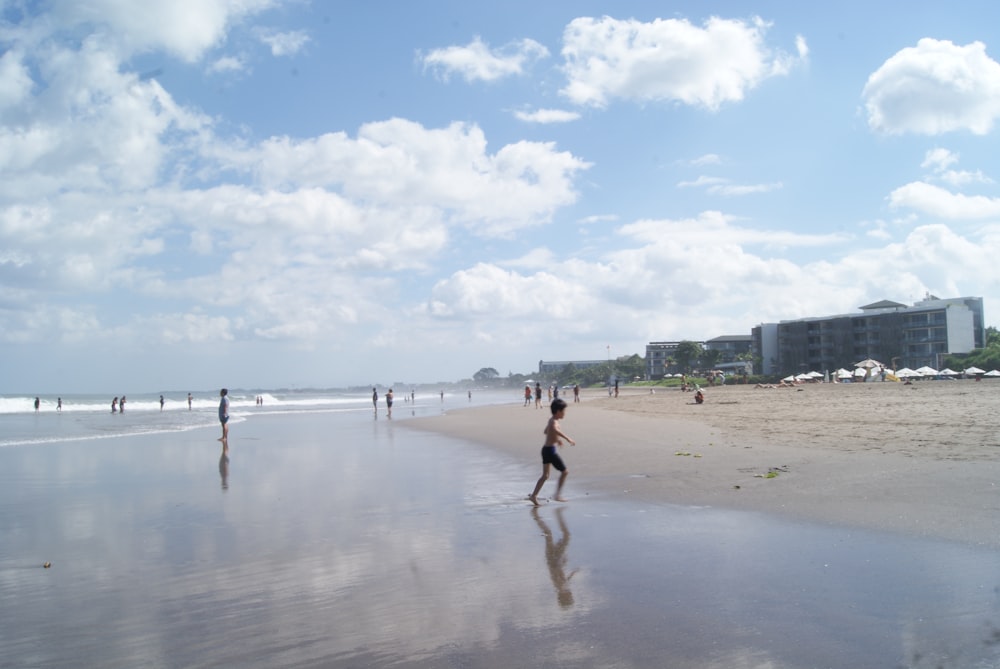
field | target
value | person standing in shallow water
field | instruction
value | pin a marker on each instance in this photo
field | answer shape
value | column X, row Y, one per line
column 224, row 417
column 388, row 402
column 375, row 399
column 550, row 457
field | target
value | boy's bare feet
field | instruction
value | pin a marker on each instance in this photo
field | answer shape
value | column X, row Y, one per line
column 534, row 500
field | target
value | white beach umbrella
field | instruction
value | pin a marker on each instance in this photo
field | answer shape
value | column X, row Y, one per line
column 868, row 363
column 843, row 373
column 815, row 375
column 974, row 371
column 860, row 371
column 992, row 372
column 947, row 372
column 789, row 378
column 802, row 377
column 905, row 373
column 926, row 371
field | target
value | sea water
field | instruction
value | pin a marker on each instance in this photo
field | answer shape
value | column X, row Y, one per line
column 89, row 417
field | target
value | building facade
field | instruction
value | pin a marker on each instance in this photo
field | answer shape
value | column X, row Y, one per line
column 895, row 334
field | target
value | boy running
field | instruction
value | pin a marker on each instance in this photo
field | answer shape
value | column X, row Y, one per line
column 550, row 457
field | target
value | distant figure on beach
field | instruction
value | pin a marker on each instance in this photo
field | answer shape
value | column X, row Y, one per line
column 555, row 391
column 538, row 395
column 555, row 556
column 576, row 393
column 699, row 397
column 527, row 394
column 616, row 387
column 470, row 395
column 189, row 401
column 224, row 418
column 388, row 402
column 413, row 395
column 442, row 396
column 59, row 404
column 375, row 399
column 121, row 405
column 114, row 405
column 161, row 402
column 38, row 402
column 550, row 457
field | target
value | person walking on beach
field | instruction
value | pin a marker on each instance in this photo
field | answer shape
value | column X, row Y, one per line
column 388, row 402
column 375, row 399
column 538, row 395
column 576, row 393
column 550, row 457
column 527, row 394
column 224, row 417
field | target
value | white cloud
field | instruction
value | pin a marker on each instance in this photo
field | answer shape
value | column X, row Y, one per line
column 939, row 159
column 15, row 80
column 707, row 159
column 449, row 169
column 940, row 203
column 184, row 28
column 284, row 43
column 477, row 62
column 226, row 65
column 669, row 60
column 722, row 186
column 547, row 116
column 933, row 88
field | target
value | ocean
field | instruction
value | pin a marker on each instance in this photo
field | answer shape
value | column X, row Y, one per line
column 88, row 417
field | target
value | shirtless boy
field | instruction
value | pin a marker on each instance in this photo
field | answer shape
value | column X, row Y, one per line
column 550, row 457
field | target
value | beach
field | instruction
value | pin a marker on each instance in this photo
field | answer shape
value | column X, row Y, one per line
column 921, row 459
column 341, row 538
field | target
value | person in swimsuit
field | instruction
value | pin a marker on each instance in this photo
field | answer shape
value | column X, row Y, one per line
column 550, row 457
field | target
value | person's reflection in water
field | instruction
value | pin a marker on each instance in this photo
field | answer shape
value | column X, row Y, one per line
column 555, row 556
column 224, row 468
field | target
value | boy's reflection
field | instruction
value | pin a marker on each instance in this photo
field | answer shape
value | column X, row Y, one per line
column 555, row 556
column 224, row 468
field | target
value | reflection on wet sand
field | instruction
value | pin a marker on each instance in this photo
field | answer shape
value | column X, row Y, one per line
column 224, row 468
column 555, row 556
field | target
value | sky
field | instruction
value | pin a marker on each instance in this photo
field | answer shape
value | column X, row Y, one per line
column 268, row 194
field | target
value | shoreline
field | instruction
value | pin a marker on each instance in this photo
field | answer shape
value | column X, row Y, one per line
column 920, row 460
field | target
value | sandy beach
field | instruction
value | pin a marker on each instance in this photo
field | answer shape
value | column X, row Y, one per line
column 921, row 460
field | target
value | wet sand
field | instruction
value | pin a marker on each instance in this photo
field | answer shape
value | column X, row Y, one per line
column 922, row 460
column 339, row 540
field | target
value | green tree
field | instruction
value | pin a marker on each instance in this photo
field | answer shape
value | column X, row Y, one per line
column 486, row 374
column 710, row 357
column 687, row 353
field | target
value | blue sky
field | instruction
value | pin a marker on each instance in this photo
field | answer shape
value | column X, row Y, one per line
column 259, row 193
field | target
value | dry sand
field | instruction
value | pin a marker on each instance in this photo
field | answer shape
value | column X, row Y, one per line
column 921, row 459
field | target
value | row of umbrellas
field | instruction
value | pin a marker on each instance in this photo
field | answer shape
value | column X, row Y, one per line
column 863, row 369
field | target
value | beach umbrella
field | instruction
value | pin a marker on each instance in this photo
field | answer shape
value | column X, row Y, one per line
column 947, row 372
column 992, row 372
column 789, row 378
column 814, row 375
column 860, row 371
column 926, row 371
column 974, row 370
column 868, row 363
column 843, row 373
column 905, row 373
column 802, row 377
